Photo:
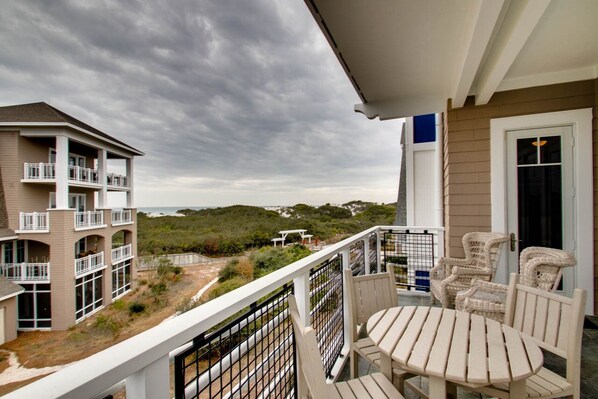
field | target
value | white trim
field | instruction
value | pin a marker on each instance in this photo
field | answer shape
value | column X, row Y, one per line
column 581, row 122
column 4, row 298
column 10, row 238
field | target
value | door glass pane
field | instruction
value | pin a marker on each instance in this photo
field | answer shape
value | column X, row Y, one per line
column 550, row 151
column 527, row 151
column 540, row 206
column 43, row 305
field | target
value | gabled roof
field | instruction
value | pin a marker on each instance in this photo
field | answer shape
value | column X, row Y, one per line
column 45, row 113
column 9, row 289
column 407, row 57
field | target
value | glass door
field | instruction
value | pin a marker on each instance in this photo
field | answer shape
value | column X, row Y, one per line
column 540, row 191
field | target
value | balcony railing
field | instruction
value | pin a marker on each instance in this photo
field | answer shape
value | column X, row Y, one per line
column 39, row 171
column 34, row 222
column 121, row 253
column 89, row 264
column 122, row 217
column 89, row 220
column 241, row 344
column 83, row 175
column 26, row 272
column 114, row 180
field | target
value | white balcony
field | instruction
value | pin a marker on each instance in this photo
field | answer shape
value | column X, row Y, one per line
column 39, row 172
column 116, row 181
column 122, row 253
column 122, row 217
column 83, row 175
column 89, row 220
column 265, row 343
column 26, row 272
column 34, row 222
column 89, row 263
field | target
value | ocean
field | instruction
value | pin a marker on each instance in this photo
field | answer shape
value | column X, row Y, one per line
column 168, row 210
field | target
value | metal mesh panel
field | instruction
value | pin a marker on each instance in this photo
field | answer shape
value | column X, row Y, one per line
column 373, row 253
column 357, row 258
column 249, row 357
column 412, row 257
column 326, row 299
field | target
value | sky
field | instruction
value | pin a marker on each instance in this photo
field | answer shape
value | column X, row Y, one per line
column 233, row 102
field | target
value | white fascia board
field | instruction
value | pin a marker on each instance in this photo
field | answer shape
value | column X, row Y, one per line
column 549, row 78
column 483, row 18
column 4, row 298
column 522, row 18
column 94, row 141
column 403, row 108
column 9, row 238
column 74, row 127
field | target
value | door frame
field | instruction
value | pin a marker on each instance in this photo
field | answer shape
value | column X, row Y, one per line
column 581, row 122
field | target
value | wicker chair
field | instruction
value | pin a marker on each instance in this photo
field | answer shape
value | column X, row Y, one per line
column 451, row 275
column 539, row 267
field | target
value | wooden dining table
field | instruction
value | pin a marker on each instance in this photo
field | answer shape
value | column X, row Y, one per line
column 452, row 346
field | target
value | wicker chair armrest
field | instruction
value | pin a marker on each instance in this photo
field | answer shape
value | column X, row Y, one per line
column 471, row 271
column 453, row 262
column 489, row 286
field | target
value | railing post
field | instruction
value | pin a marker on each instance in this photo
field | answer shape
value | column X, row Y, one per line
column 301, row 292
column 346, row 264
column 366, row 255
column 151, row 382
column 379, row 251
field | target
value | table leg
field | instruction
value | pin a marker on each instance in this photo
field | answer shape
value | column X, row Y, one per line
column 386, row 365
column 517, row 389
column 437, row 388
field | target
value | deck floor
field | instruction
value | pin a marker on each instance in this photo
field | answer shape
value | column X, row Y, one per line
column 589, row 358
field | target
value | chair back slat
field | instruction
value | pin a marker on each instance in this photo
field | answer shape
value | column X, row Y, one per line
column 553, row 320
column 310, row 360
column 370, row 294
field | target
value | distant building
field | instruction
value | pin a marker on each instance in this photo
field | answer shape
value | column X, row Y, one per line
column 59, row 241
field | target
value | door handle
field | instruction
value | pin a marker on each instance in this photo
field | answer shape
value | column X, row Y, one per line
column 514, row 242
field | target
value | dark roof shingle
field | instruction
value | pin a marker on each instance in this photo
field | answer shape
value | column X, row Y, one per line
column 43, row 112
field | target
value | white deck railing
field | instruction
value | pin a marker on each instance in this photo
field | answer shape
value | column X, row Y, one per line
column 115, row 180
column 143, row 360
column 89, row 220
column 83, row 175
column 122, row 217
column 121, row 253
column 89, row 263
column 34, row 222
column 26, row 272
column 39, row 171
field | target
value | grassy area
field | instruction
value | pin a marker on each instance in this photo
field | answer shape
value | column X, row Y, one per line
column 232, row 230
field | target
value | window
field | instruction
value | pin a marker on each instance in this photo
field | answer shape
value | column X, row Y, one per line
column 76, row 201
column 88, row 294
column 121, row 278
column 34, row 307
column 13, row 252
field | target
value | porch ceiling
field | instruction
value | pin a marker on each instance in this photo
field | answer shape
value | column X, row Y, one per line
column 407, row 57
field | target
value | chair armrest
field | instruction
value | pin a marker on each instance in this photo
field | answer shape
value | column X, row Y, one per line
column 489, row 286
column 470, row 271
column 444, row 267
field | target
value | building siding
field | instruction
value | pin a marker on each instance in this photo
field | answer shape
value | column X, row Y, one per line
column 467, row 154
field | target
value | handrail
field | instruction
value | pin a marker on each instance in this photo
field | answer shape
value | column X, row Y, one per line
column 150, row 348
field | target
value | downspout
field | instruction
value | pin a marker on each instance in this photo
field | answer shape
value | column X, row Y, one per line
column 438, row 208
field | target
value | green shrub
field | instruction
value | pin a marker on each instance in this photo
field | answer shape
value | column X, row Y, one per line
column 107, row 324
column 119, row 304
column 227, row 286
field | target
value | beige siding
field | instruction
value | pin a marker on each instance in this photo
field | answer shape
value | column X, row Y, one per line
column 467, row 154
column 10, row 318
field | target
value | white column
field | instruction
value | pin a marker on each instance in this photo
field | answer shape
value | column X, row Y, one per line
column 102, row 166
column 62, row 171
column 130, row 193
column 151, row 382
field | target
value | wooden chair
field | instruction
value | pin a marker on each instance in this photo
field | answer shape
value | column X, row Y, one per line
column 539, row 267
column 451, row 275
column 556, row 324
column 367, row 295
column 310, row 364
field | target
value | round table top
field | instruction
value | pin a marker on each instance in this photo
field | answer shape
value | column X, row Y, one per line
column 456, row 346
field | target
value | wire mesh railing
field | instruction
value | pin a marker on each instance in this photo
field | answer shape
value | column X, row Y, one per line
column 357, row 258
column 411, row 254
column 251, row 356
column 326, row 303
column 373, row 254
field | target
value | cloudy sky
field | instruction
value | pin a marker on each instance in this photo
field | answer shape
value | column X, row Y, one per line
column 233, row 102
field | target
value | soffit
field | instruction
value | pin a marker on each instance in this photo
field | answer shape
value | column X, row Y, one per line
column 408, row 57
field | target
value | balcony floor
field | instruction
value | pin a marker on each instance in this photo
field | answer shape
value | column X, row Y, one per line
column 589, row 358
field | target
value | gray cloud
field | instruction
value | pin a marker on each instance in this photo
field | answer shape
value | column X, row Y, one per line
column 232, row 101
